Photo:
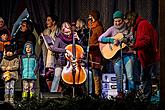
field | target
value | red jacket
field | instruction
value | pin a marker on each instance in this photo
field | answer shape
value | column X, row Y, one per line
column 146, row 42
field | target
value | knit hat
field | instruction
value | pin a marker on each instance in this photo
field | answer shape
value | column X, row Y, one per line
column 9, row 48
column 95, row 14
column 118, row 14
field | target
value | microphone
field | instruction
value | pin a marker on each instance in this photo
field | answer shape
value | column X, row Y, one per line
column 89, row 18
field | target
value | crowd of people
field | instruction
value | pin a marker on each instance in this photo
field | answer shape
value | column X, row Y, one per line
column 138, row 53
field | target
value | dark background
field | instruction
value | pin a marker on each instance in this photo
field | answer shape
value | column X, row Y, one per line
column 70, row 10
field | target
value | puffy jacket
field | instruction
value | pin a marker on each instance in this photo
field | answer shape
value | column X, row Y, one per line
column 28, row 67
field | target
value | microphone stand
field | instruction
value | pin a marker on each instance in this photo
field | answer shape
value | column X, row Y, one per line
column 90, row 27
column 122, row 67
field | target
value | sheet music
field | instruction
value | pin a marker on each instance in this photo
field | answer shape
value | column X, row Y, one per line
column 47, row 40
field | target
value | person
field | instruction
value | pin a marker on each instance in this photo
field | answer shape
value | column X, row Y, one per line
column 126, row 60
column 3, row 26
column 9, row 66
column 23, row 35
column 48, row 57
column 83, row 33
column 63, row 39
column 3, row 41
column 146, row 45
column 28, row 70
column 95, row 56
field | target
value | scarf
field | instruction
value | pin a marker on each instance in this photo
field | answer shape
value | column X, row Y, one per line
column 65, row 38
column 94, row 24
column 10, row 57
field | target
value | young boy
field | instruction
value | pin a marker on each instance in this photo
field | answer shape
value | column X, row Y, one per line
column 28, row 70
column 9, row 67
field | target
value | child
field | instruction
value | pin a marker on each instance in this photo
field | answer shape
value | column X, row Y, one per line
column 9, row 66
column 3, row 41
column 28, row 70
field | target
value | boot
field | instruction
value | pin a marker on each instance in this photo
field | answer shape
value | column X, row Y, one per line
column 24, row 95
column 31, row 94
column 6, row 96
column 97, row 85
column 49, row 83
column 11, row 100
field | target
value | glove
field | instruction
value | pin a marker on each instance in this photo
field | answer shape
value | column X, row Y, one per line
column 107, row 40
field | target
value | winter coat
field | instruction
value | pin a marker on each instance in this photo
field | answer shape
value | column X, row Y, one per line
column 28, row 63
column 28, row 67
column 2, row 46
column 146, row 42
column 94, row 51
column 45, row 54
column 13, row 62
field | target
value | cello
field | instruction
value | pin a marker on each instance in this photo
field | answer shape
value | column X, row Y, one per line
column 73, row 73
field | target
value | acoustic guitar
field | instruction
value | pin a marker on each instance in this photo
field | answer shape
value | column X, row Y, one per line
column 109, row 50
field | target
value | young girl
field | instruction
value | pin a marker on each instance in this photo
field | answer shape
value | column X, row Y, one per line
column 28, row 70
column 63, row 39
column 9, row 66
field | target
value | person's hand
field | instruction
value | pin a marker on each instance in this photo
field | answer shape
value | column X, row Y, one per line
column 8, row 68
column 116, row 42
column 131, row 45
column 69, row 53
column 50, row 47
column 76, row 36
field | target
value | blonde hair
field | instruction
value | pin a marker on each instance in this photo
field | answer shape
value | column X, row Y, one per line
column 82, row 22
column 66, row 27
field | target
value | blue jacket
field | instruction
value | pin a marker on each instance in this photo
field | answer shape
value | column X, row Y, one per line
column 28, row 67
column 28, row 64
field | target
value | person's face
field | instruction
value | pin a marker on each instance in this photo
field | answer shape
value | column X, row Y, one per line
column 128, row 21
column 49, row 22
column 66, row 28
column 118, row 22
column 1, row 24
column 24, row 27
column 9, row 53
column 73, row 28
column 4, row 37
column 79, row 25
column 28, row 49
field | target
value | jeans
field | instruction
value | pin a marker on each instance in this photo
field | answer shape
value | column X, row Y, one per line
column 56, row 79
column 89, row 81
column 147, row 82
column 128, row 65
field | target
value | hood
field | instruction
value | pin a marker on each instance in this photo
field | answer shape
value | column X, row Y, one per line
column 31, row 45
